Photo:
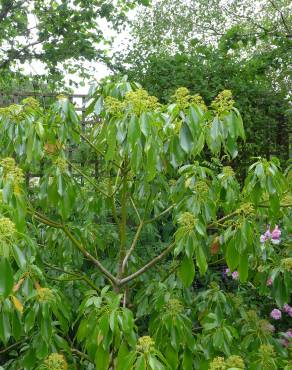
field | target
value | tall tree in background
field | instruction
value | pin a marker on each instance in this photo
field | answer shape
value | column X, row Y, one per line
column 207, row 46
column 60, row 34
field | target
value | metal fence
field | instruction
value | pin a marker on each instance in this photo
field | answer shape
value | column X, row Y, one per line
column 45, row 99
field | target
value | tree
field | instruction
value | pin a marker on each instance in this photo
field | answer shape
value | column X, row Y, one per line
column 101, row 247
column 209, row 46
column 57, row 33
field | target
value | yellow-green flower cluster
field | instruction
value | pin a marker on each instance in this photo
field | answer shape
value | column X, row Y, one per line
column 287, row 199
column 136, row 102
column 56, row 361
column 267, row 351
column 61, row 164
column 184, row 99
column 246, row 209
column 114, row 106
column 218, row 363
column 31, row 103
column 201, row 188
column 286, row 263
column 252, row 315
column 145, row 344
column 234, row 361
column 238, row 301
column 197, row 99
column 13, row 112
column 7, row 228
column 223, row 102
column 172, row 182
column 174, row 307
column 45, row 295
column 266, row 327
column 187, row 220
column 12, row 173
column 227, row 172
column 139, row 101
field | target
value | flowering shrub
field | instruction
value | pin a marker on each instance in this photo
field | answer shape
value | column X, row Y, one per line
column 132, row 244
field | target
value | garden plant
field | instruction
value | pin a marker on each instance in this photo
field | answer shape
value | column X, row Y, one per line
column 131, row 243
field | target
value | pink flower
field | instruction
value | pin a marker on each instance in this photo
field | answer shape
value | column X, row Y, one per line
column 276, row 233
column 234, row 275
column 288, row 309
column 285, row 342
column 226, row 272
column 267, row 234
column 276, row 314
column 269, row 282
column 262, row 238
column 289, row 333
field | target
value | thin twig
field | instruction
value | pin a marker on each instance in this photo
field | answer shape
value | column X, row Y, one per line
column 160, row 214
column 155, row 260
column 130, row 251
column 43, row 219
column 135, row 208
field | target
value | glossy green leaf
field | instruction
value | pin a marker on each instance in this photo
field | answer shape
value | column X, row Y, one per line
column 186, row 271
column 6, row 278
column 102, row 358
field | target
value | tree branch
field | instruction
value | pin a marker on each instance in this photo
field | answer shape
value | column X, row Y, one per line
column 130, row 251
column 14, row 54
column 123, row 226
column 148, row 265
column 282, row 17
column 160, row 214
column 76, row 243
column 87, row 178
column 78, row 275
column 94, row 147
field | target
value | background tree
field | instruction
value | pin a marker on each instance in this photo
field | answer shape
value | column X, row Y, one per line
column 208, row 46
column 59, row 34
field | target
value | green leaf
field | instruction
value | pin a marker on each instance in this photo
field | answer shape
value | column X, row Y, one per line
column 5, row 327
column 140, row 364
column 111, row 141
column 232, row 255
column 186, row 271
column 218, row 339
column 187, row 360
column 201, row 259
column 185, row 138
column 29, row 320
column 172, row 357
column 125, row 358
column 6, row 278
column 145, row 124
column 102, row 358
column 19, row 256
column 200, row 144
column 215, row 129
column 243, row 267
column 155, row 364
column 133, row 131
